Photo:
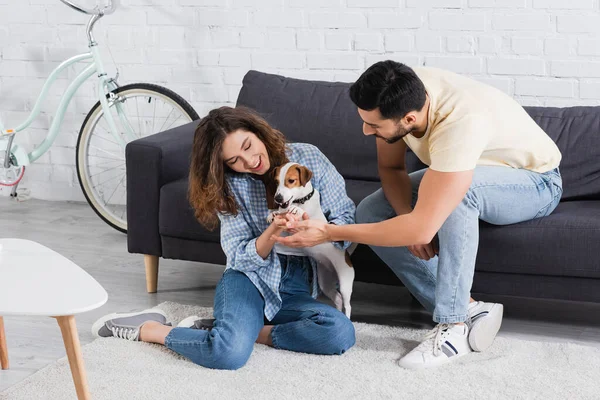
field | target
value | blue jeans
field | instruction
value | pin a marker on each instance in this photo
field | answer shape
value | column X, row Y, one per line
column 497, row 195
column 303, row 324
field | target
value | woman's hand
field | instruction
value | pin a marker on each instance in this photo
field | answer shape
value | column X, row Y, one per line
column 280, row 222
column 265, row 242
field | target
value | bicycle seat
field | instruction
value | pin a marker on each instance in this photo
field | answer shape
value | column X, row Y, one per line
column 109, row 8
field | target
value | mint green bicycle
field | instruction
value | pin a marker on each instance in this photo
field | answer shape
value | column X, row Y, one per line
column 122, row 114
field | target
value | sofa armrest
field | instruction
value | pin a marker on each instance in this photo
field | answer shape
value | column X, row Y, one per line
column 152, row 162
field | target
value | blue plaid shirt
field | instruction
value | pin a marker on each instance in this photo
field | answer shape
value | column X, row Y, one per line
column 239, row 233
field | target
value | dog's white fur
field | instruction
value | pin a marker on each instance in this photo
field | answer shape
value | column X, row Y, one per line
column 332, row 266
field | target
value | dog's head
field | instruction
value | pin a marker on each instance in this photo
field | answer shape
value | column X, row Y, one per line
column 293, row 182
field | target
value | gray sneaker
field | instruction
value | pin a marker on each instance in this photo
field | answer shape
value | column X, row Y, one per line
column 484, row 324
column 127, row 326
column 194, row 322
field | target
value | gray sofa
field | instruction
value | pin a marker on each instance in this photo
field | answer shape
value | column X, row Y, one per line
column 552, row 257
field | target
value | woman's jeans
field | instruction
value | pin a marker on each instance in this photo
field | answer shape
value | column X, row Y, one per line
column 497, row 195
column 303, row 324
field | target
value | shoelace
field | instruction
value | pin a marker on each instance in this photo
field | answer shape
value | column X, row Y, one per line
column 125, row 333
column 435, row 337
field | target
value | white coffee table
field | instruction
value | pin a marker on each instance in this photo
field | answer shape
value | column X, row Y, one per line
column 35, row 280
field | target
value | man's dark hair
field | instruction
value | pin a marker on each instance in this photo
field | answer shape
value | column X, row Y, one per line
column 392, row 87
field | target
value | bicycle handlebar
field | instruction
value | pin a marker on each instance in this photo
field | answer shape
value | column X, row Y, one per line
column 108, row 9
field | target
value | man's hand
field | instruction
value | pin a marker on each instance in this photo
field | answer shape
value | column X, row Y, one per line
column 425, row 251
column 308, row 233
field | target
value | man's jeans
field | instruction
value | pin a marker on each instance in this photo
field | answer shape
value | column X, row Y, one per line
column 303, row 324
column 497, row 195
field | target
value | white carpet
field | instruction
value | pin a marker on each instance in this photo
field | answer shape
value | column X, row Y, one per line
column 510, row 369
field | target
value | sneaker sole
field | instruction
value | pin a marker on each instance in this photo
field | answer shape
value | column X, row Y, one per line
column 484, row 332
column 98, row 324
column 188, row 322
column 416, row 367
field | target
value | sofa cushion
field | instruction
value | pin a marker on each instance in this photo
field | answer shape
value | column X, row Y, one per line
column 176, row 216
column 576, row 131
column 561, row 244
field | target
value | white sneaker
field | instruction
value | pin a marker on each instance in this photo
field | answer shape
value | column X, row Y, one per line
column 486, row 319
column 445, row 343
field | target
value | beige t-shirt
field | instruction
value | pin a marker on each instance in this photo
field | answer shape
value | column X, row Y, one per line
column 471, row 123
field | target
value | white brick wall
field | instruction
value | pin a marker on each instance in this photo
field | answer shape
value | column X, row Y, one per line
column 542, row 52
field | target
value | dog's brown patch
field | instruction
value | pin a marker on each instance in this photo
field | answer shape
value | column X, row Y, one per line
column 305, row 175
column 292, row 177
column 297, row 175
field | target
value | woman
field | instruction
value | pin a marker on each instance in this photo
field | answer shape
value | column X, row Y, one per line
column 267, row 292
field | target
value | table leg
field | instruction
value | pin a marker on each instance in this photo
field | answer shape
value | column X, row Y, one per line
column 71, row 340
column 3, row 349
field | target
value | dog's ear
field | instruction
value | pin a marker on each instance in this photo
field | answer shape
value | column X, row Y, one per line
column 275, row 173
column 305, row 174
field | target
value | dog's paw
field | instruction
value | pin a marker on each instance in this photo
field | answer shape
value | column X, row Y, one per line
column 295, row 210
column 271, row 217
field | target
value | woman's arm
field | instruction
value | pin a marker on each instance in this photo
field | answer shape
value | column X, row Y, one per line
column 264, row 243
column 245, row 252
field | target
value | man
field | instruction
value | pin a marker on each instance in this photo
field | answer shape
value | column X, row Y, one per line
column 487, row 160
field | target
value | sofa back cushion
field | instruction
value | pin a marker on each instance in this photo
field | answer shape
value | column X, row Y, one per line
column 576, row 131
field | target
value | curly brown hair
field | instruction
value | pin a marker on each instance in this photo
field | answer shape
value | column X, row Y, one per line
column 208, row 190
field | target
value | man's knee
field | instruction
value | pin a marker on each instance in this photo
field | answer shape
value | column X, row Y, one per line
column 373, row 208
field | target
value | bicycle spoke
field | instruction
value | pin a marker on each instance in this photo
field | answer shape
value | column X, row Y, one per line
column 162, row 127
column 107, row 152
column 108, row 180
column 106, row 170
column 171, row 124
column 154, row 116
column 115, row 143
column 116, row 187
column 107, row 158
column 105, row 165
column 124, row 211
column 109, row 134
column 138, row 114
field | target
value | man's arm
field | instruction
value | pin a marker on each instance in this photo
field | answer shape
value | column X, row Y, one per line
column 439, row 194
column 391, row 160
column 391, row 163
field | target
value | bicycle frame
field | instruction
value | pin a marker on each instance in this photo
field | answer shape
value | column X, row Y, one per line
column 105, row 85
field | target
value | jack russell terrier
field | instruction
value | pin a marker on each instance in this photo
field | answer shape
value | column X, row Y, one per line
column 295, row 194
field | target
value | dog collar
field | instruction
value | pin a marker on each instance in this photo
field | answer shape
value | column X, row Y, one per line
column 305, row 198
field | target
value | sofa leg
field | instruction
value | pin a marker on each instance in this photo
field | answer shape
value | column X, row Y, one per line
column 151, row 263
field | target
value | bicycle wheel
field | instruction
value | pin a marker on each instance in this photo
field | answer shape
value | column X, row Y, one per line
column 147, row 109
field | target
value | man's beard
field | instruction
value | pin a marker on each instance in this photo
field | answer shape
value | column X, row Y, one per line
column 399, row 134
